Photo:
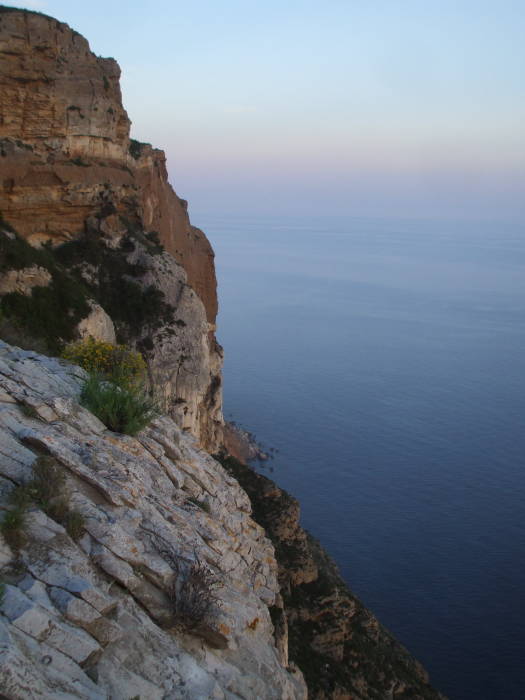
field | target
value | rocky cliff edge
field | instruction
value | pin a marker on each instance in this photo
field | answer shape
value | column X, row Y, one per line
column 72, row 180
column 94, row 618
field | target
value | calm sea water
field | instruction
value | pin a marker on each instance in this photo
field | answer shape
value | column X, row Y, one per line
column 385, row 361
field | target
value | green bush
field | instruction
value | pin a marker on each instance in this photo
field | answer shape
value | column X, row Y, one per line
column 203, row 505
column 13, row 527
column 130, row 304
column 122, row 409
column 51, row 313
column 15, row 333
column 16, row 253
column 47, row 483
column 74, row 524
column 135, row 148
column 116, row 363
column 47, row 317
column 29, row 411
column 47, row 489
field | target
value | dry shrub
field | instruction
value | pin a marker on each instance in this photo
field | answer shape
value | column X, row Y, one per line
column 193, row 594
column 192, row 591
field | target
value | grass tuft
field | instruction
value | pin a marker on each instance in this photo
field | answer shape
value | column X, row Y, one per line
column 74, row 524
column 48, row 482
column 203, row 505
column 122, row 409
column 47, row 489
column 13, row 527
column 29, row 411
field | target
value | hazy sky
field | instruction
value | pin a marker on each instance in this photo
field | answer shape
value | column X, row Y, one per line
column 365, row 107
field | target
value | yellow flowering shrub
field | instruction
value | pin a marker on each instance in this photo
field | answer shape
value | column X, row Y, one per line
column 118, row 363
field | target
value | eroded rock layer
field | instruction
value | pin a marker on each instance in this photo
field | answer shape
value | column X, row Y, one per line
column 95, row 618
column 69, row 172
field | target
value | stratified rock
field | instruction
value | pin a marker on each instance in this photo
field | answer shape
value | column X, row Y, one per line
column 148, row 503
column 164, row 212
column 71, row 174
column 66, row 147
column 95, row 619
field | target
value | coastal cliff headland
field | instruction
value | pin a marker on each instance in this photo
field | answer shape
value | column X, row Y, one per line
column 94, row 242
column 123, row 258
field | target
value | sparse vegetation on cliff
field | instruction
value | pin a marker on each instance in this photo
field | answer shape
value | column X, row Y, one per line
column 47, row 490
column 341, row 648
column 135, row 148
column 192, row 594
column 122, row 409
column 48, row 315
column 13, row 526
column 114, row 281
column 116, row 363
column 115, row 390
column 203, row 505
column 79, row 161
column 51, row 313
column 16, row 253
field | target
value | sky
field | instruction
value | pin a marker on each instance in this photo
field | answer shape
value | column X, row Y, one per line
column 405, row 108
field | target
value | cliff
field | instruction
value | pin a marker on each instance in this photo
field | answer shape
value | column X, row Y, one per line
column 72, row 178
column 91, row 612
column 95, row 618
column 103, row 581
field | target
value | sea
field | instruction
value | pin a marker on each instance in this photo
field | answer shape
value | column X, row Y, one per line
column 383, row 363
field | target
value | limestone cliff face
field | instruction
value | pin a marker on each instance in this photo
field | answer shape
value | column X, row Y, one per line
column 64, row 131
column 164, row 212
column 69, row 172
column 94, row 618
column 56, row 95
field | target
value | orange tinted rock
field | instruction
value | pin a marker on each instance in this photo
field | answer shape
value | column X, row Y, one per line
column 64, row 148
column 68, row 168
